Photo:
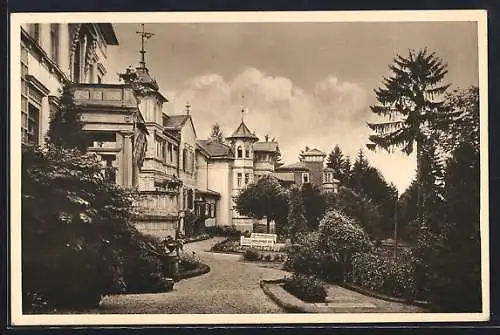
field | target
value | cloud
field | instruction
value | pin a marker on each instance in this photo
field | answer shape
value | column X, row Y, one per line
column 334, row 112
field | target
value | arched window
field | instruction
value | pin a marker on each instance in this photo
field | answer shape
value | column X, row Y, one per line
column 240, row 152
column 247, row 152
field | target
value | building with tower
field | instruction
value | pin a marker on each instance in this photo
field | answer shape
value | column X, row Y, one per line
column 140, row 144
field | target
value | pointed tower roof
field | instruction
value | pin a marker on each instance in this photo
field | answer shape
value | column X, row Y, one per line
column 243, row 132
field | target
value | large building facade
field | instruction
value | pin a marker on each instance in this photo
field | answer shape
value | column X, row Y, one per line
column 158, row 153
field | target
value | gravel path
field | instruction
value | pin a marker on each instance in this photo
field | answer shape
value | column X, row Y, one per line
column 230, row 287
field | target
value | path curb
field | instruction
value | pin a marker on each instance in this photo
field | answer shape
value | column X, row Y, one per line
column 358, row 289
column 200, row 270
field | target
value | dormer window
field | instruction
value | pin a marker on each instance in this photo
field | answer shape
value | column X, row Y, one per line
column 240, row 152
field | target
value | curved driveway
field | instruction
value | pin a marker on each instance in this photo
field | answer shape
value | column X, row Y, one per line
column 230, row 287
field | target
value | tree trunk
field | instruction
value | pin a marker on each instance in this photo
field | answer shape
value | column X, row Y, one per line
column 420, row 187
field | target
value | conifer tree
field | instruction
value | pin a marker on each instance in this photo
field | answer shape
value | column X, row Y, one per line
column 411, row 98
column 297, row 221
column 66, row 128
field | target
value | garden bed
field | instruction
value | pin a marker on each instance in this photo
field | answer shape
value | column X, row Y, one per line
column 274, row 290
column 356, row 288
column 198, row 238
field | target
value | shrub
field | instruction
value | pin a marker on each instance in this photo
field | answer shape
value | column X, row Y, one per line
column 339, row 238
column 306, row 288
column 76, row 228
column 187, row 262
column 268, row 257
column 143, row 269
column 379, row 271
column 227, row 245
column 251, row 254
column 193, row 225
column 304, row 255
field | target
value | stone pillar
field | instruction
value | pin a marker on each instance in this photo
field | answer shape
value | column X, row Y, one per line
column 127, row 160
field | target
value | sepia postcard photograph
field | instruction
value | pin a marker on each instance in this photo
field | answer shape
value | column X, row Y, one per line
column 249, row 167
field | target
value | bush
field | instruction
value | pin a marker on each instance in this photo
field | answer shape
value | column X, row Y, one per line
column 251, row 254
column 339, row 238
column 187, row 262
column 306, row 288
column 76, row 228
column 226, row 231
column 227, row 245
column 143, row 270
column 379, row 271
column 193, row 225
column 268, row 257
column 304, row 255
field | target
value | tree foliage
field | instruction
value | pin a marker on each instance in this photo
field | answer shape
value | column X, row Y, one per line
column 297, row 222
column 66, row 128
column 314, row 204
column 75, row 227
column 412, row 99
column 340, row 164
column 264, row 198
column 217, row 133
column 360, row 208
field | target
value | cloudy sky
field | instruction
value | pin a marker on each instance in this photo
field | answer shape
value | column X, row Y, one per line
column 304, row 83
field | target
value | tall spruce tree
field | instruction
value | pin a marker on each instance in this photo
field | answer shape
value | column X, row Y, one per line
column 412, row 99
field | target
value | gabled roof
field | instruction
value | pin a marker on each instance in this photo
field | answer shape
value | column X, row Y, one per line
column 215, row 149
column 266, row 146
column 314, row 152
column 243, row 132
column 300, row 166
column 175, row 121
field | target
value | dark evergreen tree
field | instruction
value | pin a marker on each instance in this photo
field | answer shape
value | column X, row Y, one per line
column 297, row 221
column 66, row 127
column 411, row 98
column 341, row 165
column 314, row 204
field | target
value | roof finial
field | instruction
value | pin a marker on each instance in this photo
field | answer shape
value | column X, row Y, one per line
column 242, row 108
column 144, row 35
column 188, row 108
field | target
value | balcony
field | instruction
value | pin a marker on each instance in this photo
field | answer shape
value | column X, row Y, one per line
column 104, row 95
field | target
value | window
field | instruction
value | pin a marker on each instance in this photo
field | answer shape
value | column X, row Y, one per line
column 184, row 160
column 247, row 178
column 240, row 152
column 54, row 42
column 97, row 138
column 34, row 31
column 109, row 169
column 175, row 155
column 160, row 149
column 170, row 152
column 33, row 123
column 239, row 180
column 305, row 177
column 189, row 199
column 247, row 153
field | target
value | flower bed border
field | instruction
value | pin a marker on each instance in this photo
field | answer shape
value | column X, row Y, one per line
column 292, row 304
column 200, row 269
column 197, row 239
column 381, row 296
